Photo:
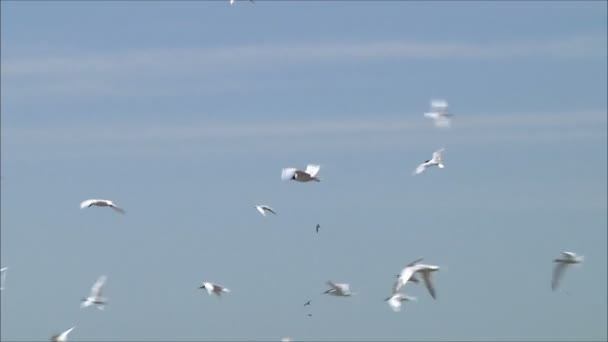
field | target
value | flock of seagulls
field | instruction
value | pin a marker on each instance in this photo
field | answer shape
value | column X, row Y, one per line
column 414, row 272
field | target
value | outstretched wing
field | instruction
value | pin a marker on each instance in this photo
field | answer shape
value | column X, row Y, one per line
column 287, row 173
column 98, row 286
column 118, row 209
column 558, row 272
column 269, row 209
column 437, row 155
column 87, row 203
column 420, row 169
column 428, row 283
column 439, row 106
column 312, row 170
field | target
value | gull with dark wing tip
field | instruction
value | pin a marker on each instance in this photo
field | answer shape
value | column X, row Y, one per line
column 415, row 267
column 310, row 174
column 214, row 289
column 439, row 113
column 435, row 161
column 63, row 337
column 100, row 203
column 568, row 258
column 95, row 297
column 340, row 290
column 264, row 208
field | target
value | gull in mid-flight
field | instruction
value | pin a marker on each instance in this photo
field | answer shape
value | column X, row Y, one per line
column 413, row 268
column 3, row 272
column 396, row 299
column 318, row 227
column 439, row 113
column 341, row 290
column 214, row 289
column 63, row 337
column 567, row 258
column 95, row 297
column 264, row 208
column 307, row 175
column 435, row 161
column 100, row 203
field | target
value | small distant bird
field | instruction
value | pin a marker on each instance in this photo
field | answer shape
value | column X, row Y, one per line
column 439, row 113
column 395, row 300
column 341, row 290
column 214, row 289
column 411, row 269
column 309, row 315
column 307, row 175
column 264, row 208
column 318, row 227
column 568, row 258
column 3, row 272
column 286, row 339
column 307, row 303
column 63, row 337
column 100, row 203
column 435, row 161
column 95, row 297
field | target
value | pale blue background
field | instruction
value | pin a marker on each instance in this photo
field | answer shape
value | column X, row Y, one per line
column 184, row 113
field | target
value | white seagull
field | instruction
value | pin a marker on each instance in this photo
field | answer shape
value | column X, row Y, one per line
column 341, row 290
column 3, row 272
column 214, row 289
column 264, row 208
column 95, row 297
column 396, row 299
column 63, row 337
column 435, row 161
column 100, row 203
column 568, row 258
column 307, row 175
column 439, row 113
column 413, row 268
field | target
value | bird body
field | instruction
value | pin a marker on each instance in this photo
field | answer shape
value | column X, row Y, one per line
column 396, row 299
column 309, row 174
column 214, row 289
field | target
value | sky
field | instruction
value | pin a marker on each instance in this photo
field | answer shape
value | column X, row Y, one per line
column 184, row 113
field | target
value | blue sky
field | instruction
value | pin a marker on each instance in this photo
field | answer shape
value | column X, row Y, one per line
column 184, row 113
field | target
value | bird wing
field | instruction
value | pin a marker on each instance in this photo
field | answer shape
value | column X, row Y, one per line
column 86, row 203
column 312, row 169
column 414, row 262
column 269, row 209
column 405, row 275
column 118, row 209
column 261, row 210
column 569, row 255
column 98, row 286
column 437, row 155
column 420, row 168
column 558, row 272
column 287, row 173
column 429, row 285
column 334, row 285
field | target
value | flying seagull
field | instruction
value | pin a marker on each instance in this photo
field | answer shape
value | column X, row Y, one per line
column 264, row 208
column 100, row 203
column 439, row 113
column 395, row 300
column 435, row 161
column 214, row 289
column 413, row 268
column 318, row 227
column 63, row 337
column 568, row 258
column 341, row 290
column 307, row 175
column 307, row 303
column 95, row 297
column 3, row 272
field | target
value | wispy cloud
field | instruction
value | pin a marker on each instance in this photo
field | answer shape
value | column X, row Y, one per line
column 264, row 55
column 154, row 138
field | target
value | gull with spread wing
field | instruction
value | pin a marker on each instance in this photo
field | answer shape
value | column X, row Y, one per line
column 100, row 203
column 415, row 267
column 214, row 288
column 567, row 258
column 264, row 208
column 310, row 174
column 340, row 290
column 95, row 298
column 435, row 161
